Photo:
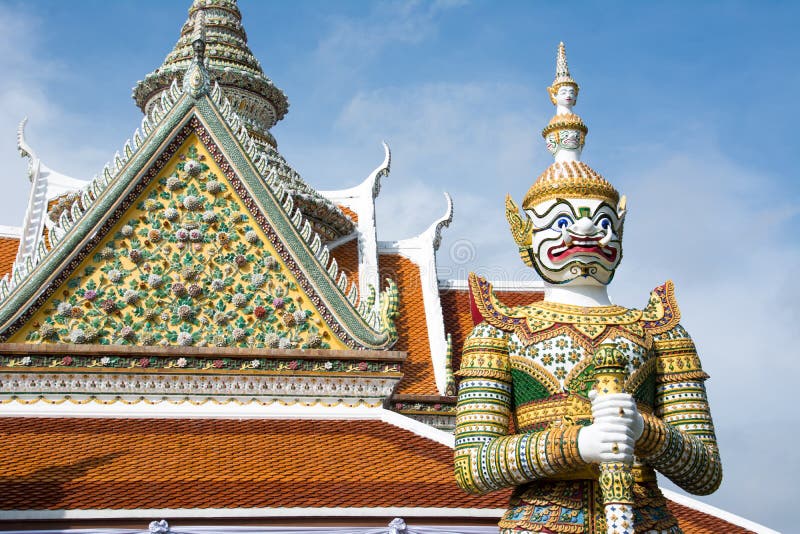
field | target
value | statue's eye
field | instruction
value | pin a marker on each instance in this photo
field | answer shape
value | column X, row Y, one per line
column 604, row 223
column 563, row 222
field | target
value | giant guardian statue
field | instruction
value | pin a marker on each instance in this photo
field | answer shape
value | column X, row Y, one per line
column 573, row 401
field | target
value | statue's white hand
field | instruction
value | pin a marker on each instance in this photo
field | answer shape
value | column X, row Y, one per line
column 616, row 427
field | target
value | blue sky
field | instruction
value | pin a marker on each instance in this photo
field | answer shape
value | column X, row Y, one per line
column 690, row 113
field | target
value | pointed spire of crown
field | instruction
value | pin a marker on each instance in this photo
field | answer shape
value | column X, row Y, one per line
column 229, row 61
column 565, row 136
column 562, row 68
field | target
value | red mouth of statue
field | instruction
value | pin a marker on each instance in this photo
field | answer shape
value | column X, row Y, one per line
column 583, row 245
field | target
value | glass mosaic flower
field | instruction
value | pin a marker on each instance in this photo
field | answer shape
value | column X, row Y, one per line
column 239, row 300
column 178, row 289
column 174, row 183
column 213, row 187
column 77, row 335
column 194, row 290
column 64, row 309
column 46, row 331
column 114, row 275
column 257, row 279
column 192, row 167
column 191, row 202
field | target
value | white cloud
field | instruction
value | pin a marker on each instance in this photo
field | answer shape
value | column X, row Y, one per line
column 58, row 136
column 352, row 43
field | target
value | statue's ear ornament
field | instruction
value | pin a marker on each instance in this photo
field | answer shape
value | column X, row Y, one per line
column 622, row 207
column 521, row 230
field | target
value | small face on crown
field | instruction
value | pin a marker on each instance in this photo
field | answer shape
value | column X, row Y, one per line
column 577, row 241
column 566, row 96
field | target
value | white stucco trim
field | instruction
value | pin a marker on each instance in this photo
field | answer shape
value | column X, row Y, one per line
column 46, row 184
column 173, row 513
column 14, row 232
column 421, row 429
column 500, row 285
column 700, row 506
column 422, row 251
column 191, row 411
column 361, row 199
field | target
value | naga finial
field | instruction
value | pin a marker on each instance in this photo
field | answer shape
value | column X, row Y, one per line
column 196, row 81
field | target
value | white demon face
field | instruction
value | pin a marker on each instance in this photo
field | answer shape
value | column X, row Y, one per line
column 577, row 241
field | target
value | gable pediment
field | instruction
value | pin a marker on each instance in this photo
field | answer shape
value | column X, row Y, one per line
column 189, row 244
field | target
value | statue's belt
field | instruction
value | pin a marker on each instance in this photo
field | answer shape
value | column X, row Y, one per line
column 641, row 474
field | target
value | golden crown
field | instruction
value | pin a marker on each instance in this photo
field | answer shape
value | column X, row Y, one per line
column 570, row 179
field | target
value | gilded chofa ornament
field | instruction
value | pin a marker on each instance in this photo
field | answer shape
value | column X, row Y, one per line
column 601, row 396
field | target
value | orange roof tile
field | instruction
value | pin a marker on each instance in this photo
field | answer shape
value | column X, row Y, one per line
column 347, row 259
column 458, row 319
column 8, row 253
column 56, row 463
column 350, row 213
column 412, row 328
column 63, row 463
column 696, row 522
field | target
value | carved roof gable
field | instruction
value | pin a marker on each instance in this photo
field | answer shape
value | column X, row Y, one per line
column 186, row 244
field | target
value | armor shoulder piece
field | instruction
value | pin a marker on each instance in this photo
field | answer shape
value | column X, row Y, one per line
column 487, row 307
column 661, row 313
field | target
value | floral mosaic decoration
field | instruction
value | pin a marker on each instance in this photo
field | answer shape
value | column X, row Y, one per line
column 187, row 267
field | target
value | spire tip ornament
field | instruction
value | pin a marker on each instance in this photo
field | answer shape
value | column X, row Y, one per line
column 563, row 77
column 197, row 81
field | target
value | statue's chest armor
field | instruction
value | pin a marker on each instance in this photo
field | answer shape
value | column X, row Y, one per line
column 553, row 374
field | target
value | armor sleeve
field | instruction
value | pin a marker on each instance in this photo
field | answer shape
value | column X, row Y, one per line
column 678, row 438
column 486, row 456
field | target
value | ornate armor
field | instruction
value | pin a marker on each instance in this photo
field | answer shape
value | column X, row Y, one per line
column 526, row 373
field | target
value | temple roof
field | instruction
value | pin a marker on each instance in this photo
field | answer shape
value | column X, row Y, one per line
column 168, row 463
column 265, row 467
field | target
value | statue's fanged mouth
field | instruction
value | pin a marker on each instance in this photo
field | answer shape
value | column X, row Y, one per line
column 583, row 245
